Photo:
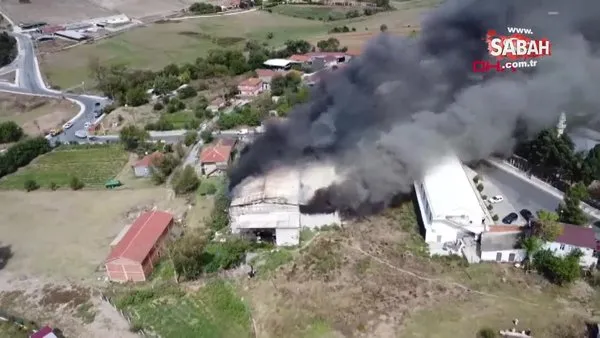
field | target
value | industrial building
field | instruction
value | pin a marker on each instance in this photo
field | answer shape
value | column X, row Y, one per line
column 274, row 203
column 450, row 210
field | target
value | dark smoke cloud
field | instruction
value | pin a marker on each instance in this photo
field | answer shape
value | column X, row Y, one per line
column 406, row 102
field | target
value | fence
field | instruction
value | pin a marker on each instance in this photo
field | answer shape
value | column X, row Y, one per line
column 127, row 317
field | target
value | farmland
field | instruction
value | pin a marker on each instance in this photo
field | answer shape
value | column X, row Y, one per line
column 93, row 165
column 321, row 13
column 213, row 311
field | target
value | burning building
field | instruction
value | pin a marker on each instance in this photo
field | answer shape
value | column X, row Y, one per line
column 277, row 203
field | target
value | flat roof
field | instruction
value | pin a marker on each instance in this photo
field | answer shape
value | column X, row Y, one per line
column 70, row 34
column 500, row 241
column 449, row 192
column 278, row 62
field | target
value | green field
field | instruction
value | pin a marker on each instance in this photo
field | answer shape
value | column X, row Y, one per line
column 214, row 311
column 155, row 46
column 322, row 13
column 180, row 119
column 93, row 165
column 8, row 330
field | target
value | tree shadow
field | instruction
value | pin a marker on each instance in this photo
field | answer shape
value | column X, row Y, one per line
column 5, row 255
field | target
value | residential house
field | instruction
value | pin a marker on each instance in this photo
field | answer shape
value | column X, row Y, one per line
column 143, row 167
column 216, row 105
column 250, row 87
column 502, row 244
column 216, row 157
column 575, row 237
column 140, row 247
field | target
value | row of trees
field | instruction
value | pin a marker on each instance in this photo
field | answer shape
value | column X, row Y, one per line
column 204, row 8
column 553, row 158
column 22, row 153
column 8, row 49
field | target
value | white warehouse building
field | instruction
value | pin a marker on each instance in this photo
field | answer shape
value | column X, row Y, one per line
column 449, row 207
column 273, row 202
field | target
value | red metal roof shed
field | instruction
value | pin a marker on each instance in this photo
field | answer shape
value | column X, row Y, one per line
column 141, row 237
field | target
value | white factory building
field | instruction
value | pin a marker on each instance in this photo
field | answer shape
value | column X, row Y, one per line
column 272, row 202
column 449, row 208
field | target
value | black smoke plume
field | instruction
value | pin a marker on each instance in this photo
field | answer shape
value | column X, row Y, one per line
column 405, row 102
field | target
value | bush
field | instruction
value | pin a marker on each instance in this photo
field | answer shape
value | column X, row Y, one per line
column 186, row 92
column 190, row 138
column 226, row 255
column 558, row 270
column 480, row 187
column 31, row 185
column 476, row 179
column 185, row 181
column 207, row 188
column 22, row 153
column 490, row 207
column 495, row 217
column 487, row 332
column 76, row 183
column 484, row 197
column 10, row 132
column 53, row 186
column 158, row 106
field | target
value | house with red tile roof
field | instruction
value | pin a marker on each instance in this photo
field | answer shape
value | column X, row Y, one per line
column 575, row 237
column 214, row 159
column 250, row 87
column 141, row 246
column 143, row 167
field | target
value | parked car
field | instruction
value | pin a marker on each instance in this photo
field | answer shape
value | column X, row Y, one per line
column 496, row 199
column 67, row 125
column 527, row 215
column 508, row 219
column 97, row 114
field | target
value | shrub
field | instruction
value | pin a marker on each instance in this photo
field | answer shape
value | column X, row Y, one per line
column 76, row 183
column 185, row 181
column 186, row 92
column 476, row 179
column 490, row 207
column 479, row 187
column 53, row 186
column 485, row 197
column 31, row 185
column 224, row 255
column 495, row 218
column 10, row 132
column 190, row 138
column 158, row 106
column 487, row 332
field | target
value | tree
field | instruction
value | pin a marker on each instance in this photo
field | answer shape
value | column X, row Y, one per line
column 10, row 132
column 76, row 183
column 186, row 92
column 383, row 28
column 592, row 161
column 8, row 49
column 30, row 185
column 559, row 270
column 132, row 137
column 531, row 244
column 569, row 210
column 546, row 226
column 207, row 136
column 185, row 181
column 136, row 96
column 187, row 254
column 329, row 45
column 190, row 138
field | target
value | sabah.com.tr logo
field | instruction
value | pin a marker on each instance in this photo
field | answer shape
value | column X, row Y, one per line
column 513, row 51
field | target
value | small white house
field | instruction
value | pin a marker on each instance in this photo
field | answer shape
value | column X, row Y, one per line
column 501, row 244
column 575, row 237
column 143, row 167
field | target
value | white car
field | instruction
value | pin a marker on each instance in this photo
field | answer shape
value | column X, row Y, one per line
column 496, row 199
column 67, row 125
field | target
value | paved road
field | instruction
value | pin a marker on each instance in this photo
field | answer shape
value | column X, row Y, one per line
column 518, row 194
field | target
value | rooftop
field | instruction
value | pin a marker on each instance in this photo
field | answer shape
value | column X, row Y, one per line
column 449, row 191
column 292, row 186
column 141, row 236
column 500, row 241
column 278, row 62
column 218, row 151
column 253, row 81
column 148, row 159
column 577, row 235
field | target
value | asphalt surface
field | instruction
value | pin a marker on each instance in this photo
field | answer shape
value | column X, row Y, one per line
column 518, row 194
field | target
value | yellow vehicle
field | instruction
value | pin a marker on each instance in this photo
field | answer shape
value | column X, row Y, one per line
column 54, row 132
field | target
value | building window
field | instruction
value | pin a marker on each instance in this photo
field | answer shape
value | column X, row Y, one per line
column 562, row 246
column 511, row 257
column 498, row 256
column 439, row 239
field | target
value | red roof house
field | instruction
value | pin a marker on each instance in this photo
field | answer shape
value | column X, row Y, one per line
column 142, row 168
column 215, row 158
column 576, row 235
column 250, row 87
column 134, row 256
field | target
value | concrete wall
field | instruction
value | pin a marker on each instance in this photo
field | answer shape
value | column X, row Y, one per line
column 491, row 256
column 287, row 237
column 562, row 250
column 141, row 171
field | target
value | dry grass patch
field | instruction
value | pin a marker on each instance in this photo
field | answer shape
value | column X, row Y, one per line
column 36, row 114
